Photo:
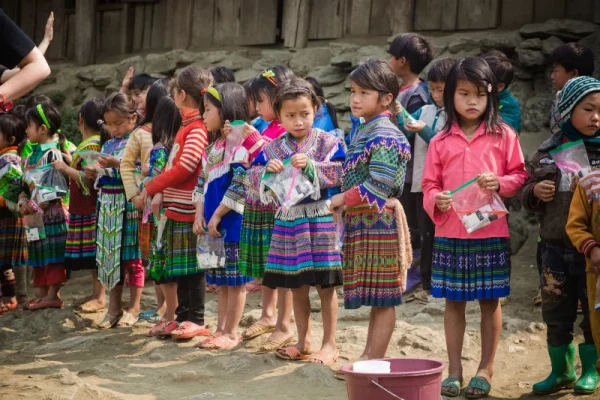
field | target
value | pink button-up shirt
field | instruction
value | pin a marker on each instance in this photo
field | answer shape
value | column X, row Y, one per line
column 453, row 160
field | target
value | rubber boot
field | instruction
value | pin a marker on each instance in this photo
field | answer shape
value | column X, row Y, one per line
column 588, row 381
column 563, row 370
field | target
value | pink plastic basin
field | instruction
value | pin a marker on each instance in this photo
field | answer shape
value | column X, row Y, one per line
column 409, row 379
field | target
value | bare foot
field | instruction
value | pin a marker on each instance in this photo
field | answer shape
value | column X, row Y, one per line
column 279, row 336
column 92, row 306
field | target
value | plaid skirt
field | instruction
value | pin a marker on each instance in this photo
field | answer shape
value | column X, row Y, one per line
column 51, row 249
column 470, row 269
column 80, row 251
column 255, row 238
column 180, row 252
column 230, row 274
column 13, row 245
column 145, row 237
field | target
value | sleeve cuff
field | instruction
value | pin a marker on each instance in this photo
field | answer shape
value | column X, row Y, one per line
column 587, row 246
column 352, row 198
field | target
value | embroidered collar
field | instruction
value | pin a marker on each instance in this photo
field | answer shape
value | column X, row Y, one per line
column 83, row 145
column 39, row 150
column 8, row 149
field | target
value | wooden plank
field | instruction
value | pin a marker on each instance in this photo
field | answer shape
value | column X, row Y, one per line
column 202, row 34
column 403, row 16
column 27, row 23
column 257, row 22
column 326, row 20
column 596, row 11
column 516, row 13
column 450, row 15
column 57, row 49
column 477, row 14
column 169, row 22
column 182, row 32
column 225, row 22
column 357, row 17
column 112, row 37
column 42, row 12
column 147, row 36
column 138, row 27
column 380, row 20
column 581, row 9
column 11, row 9
column 85, row 26
column 428, row 15
column 159, row 20
column 296, row 22
column 70, row 45
column 547, row 9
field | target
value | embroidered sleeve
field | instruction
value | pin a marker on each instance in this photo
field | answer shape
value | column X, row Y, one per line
column 198, row 195
column 255, row 173
column 235, row 196
column 158, row 162
column 327, row 174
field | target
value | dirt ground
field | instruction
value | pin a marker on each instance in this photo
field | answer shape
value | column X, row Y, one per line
column 57, row 354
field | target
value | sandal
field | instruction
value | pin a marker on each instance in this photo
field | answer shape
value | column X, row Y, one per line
column 188, row 330
column 43, row 304
column 478, row 382
column 451, row 386
column 207, row 339
column 291, row 353
column 322, row 358
column 85, row 308
column 221, row 343
column 158, row 328
column 151, row 316
column 270, row 345
column 6, row 307
column 339, row 375
column 109, row 321
column 127, row 320
column 537, row 300
column 31, row 302
column 256, row 330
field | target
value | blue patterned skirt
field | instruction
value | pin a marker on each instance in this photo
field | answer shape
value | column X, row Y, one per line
column 470, row 269
column 230, row 274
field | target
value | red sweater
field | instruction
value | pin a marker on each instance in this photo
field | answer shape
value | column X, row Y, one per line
column 180, row 178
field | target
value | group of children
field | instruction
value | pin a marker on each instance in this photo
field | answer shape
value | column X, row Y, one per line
column 167, row 175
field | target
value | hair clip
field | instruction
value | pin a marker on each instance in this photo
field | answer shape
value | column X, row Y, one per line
column 489, row 88
column 270, row 76
column 99, row 122
column 213, row 92
column 40, row 111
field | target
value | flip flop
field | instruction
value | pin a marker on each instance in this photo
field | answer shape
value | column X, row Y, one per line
column 6, row 307
column 31, row 302
column 109, row 321
column 221, row 343
column 43, row 304
column 207, row 339
column 87, row 309
column 270, row 346
column 478, row 382
column 321, row 358
column 151, row 316
column 291, row 353
column 256, row 330
column 127, row 320
column 452, row 385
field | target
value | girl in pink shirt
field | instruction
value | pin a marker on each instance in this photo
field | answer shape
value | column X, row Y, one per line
column 466, row 267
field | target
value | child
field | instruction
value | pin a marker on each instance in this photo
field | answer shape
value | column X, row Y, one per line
column 257, row 122
column 80, row 252
column 259, row 218
column 165, row 124
column 222, row 74
column 46, row 255
column 303, row 247
column 137, row 88
column 473, row 128
column 118, row 251
column 13, row 246
column 326, row 118
column 431, row 118
column 563, row 278
column 375, row 240
column 220, row 202
column 175, row 186
column 510, row 109
column 568, row 61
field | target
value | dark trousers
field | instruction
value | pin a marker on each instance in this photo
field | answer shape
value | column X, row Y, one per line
column 563, row 287
column 410, row 203
column 426, row 229
column 8, row 282
column 191, row 290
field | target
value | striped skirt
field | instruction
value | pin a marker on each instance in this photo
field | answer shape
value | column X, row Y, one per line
column 13, row 245
column 230, row 274
column 470, row 269
column 145, row 230
column 371, row 259
column 303, row 252
column 51, row 249
column 180, row 252
column 80, row 251
column 255, row 238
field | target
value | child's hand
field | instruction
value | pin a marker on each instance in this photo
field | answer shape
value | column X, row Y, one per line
column 544, row 191
column 595, row 260
column 248, row 130
column 213, row 226
column 488, row 181
column 137, row 202
column 156, row 204
column 145, row 171
column 299, row 161
column 67, row 157
column 574, row 182
column 60, row 166
column 226, row 129
column 337, row 203
column 127, row 80
column 416, row 127
column 25, row 208
column 90, row 173
column 49, row 31
column 443, row 201
column 109, row 162
column 275, row 166
column 396, row 107
column 199, row 224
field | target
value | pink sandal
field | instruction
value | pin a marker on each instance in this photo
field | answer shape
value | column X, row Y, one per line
column 291, row 353
column 221, row 343
column 43, row 304
column 188, row 330
column 158, row 328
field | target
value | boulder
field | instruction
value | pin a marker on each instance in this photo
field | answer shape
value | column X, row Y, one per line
column 368, row 52
column 550, row 44
column 421, row 318
column 168, row 62
column 92, row 92
column 503, row 41
column 338, row 48
column 519, row 232
column 113, row 87
column 90, row 72
column 328, row 75
column 343, row 60
column 211, row 57
column 101, row 81
column 593, row 42
column 566, row 29
column 341, row 102
column 236, row 62
column 245, row 74
column 463, row 43
column 307, row 59
column 530, row 58
column 535, row 115
column 273, row 58
column 137, row 62
column 331, row 91
column 531, row 44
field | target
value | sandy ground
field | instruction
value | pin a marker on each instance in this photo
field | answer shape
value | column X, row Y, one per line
column 57, row 354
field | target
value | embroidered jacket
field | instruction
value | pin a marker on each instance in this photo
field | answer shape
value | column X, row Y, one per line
column 10, row 176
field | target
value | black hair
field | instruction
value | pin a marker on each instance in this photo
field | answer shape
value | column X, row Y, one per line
column 91, row 113
column 379, row 76
column 45, row 101
column 19, row 112
column 319, row 91
column 476, row 71
column 52, row 116
column 166, row 123
column 233, row 104
column 501, row 67
column 439, row 70
column 574, row 56
column 222, row 74
column 265, row 83
column 12, row 126
column 141, row 82
column 158, row 90
column 248, row 88
column 32, row 101
column 193, row 80
column 293, row 89
column 414, row 48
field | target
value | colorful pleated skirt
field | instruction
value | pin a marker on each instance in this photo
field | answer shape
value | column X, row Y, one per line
column 80, row 251
column 145, row 230
column 230, row 274
column 51, row 249
column 470, row 269
column 180, row 252
column 255, row 238
column 13, row 245
column 372, row 273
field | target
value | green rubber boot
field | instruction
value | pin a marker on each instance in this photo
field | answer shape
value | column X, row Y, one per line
column 563, row 370
column 588, row 381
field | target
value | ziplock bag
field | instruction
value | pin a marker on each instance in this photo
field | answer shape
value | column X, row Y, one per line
column 233, row 142
column 89, row 158
column 34, row 227
column 572, row 160
column 210, row 251
column 339, row 229
column 46, row 184
column 162, row 223
column 476, row 207
column 290, row 186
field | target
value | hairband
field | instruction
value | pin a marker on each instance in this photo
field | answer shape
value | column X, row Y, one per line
column 213, row 92
column 40, row 111
column 489, row 88
column 270, row 76
column 99, row 122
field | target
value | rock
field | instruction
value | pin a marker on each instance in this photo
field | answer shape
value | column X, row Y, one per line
column 531, row 44
column 343, row 53
column 503, row 41
column 341, row 102
column 361, row 314
column 463, row 43
column 593, row 42
column 434, row 308
column 273, row 58
column 168, row 62
column 343, row 60
column 137, row 62
column 234, row 363
column 317, row 376
column 331, row 91
column 516, row 349
column 514, row 325
column 422, row 338
column 250, row 318
column 101, row 81
column 236, row 62
column 111, row 88
column 368, row 52
column 91, row 93
column 245, row 74
column 422, row 318
column 211, row 57
column 566, row 29
column 210, row 307
column 530, row 58
column 522, row 73
column 328, row 75
column 535, row 115
column 519, row 232
column 189, row 376
column 338, row 48
column 550, row 44
column 307, row 59
column 90, row 72
column 522, row 90
column 315, row 301
column 536, row 326
column 209, row 395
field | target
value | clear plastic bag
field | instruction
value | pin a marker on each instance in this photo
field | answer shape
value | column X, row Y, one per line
column 339, row 230
column 572, row 160
column 162, row 223
column 477, row 207
column 89, row 158
column 34, row 227
column 210, row 251
column 290, row 186
column 233, row 143
column 46, row 184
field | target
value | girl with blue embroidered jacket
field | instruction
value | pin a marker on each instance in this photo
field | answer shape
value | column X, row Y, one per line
column 220, row 201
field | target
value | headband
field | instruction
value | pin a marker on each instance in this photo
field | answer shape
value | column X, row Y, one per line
column 270, row 76
column 40, row 111
column 213, row 92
